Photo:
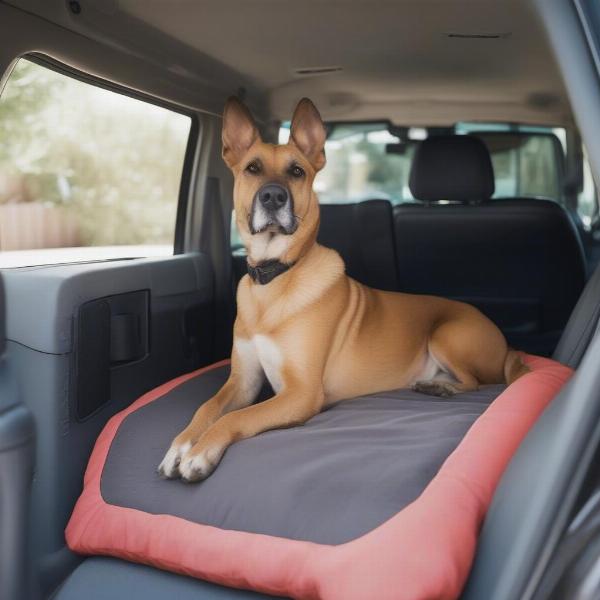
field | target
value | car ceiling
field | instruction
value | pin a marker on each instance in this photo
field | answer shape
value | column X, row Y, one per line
column 403, row 60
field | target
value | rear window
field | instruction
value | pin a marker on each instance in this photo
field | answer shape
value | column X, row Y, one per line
column 85, row 173
column 373, row 160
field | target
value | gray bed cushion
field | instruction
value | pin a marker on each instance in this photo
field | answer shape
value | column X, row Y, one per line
column 342, row 474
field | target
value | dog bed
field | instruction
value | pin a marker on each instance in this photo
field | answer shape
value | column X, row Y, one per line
column 378, row 497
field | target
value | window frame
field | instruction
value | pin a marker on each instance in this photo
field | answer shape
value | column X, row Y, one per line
column 588, row 15
column 589, row 18
column 186, row 183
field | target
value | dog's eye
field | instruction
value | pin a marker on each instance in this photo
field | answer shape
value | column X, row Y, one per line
column 253, row 168
column 296, row 171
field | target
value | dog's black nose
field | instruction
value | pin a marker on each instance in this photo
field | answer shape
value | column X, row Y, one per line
column 273, row 196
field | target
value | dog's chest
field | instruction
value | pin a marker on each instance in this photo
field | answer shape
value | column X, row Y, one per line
column 261, row 353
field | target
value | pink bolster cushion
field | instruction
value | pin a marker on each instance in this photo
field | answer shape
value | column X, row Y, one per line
column 425, row 551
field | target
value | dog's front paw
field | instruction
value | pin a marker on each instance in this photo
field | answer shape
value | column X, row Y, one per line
column 200, row 462
column 169, row 467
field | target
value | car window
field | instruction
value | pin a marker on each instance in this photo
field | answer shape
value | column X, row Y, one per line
column 359, row 167
column 525, row 165
column 85, row 173
column 366, row 160
column 587, row 200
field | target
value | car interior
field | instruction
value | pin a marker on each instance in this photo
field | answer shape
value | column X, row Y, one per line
column 463, row 155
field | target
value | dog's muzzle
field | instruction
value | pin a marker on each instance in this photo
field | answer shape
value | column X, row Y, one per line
column 273, row 210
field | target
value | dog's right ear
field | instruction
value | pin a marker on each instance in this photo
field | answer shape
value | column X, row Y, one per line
column 239, row 131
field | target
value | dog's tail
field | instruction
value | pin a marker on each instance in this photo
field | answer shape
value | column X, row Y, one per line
column 514, row 367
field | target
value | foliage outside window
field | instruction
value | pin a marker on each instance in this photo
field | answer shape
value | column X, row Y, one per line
column 81, row 167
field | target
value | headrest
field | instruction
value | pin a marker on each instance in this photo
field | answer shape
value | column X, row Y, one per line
column 452, row 167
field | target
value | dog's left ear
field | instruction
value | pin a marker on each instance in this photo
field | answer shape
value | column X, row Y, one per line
column 308, row 133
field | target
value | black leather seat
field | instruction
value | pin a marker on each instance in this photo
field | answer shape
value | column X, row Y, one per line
column 520, row 261
column 363, row 234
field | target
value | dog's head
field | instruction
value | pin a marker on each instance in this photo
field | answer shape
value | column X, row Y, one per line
column 277, row 212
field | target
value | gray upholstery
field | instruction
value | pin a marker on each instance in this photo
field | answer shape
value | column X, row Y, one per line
column 16, row 469
column 41, row 301
column 371, row 455
column 582, row 325
column 112, row 579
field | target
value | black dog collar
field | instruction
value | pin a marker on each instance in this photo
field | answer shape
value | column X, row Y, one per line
column 265, row 272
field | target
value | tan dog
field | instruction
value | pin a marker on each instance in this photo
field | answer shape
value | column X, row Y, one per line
column 315, row 334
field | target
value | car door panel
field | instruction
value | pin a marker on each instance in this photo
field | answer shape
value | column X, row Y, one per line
column 150, row 320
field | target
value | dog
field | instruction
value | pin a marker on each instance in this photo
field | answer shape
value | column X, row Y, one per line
column 315, row 334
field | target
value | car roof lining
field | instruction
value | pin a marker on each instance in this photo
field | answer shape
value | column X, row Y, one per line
column 403, row 60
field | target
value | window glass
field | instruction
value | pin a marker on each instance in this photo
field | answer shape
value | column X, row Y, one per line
column 85, row 173
column 360, row 165
column 525, row 164
column 365, row 160
column 587, row 200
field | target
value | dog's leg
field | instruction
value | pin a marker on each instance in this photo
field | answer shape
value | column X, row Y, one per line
column 207, row 414
column 239, row 390
column 451, row 378
column 469, row 350
column 285, row 409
